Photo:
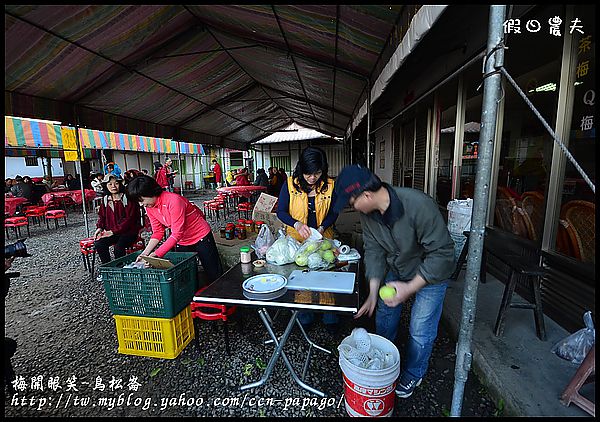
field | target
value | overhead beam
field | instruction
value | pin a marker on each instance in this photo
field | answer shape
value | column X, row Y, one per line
column 193, row 53
column 337, row 26
column 305, row 100
column 291, row 53
column 123, row 65
column 307, row 116
column 239, row 93
column 106, row 78
column 293, row 60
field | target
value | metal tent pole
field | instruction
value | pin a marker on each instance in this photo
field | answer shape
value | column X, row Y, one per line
column 180, row 167
column 491, row 97
column 78, row 167
column 369, row 164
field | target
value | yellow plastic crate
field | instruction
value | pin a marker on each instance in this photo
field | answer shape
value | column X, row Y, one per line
column 155, row 337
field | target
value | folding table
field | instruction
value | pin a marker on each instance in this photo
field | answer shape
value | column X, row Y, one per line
column 227, row 289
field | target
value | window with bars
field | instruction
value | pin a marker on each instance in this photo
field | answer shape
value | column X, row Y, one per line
column 236, row 159
column 284, row 162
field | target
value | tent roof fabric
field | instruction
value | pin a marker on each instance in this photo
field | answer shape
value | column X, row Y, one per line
column 225, row 75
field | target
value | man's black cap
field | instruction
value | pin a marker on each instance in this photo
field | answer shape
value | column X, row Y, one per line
column 351, row 181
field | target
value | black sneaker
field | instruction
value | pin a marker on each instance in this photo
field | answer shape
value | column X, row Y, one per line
column 406, row 386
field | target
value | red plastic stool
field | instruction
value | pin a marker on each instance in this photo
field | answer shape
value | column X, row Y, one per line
column 16, row 223
column 216, row 206
column 88, row 253
column 223, row 313
column 55, row 215
column 245, row 207
column 36, row 214
column 139, row 245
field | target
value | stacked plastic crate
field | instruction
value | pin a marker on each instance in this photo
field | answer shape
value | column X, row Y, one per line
column 151, row 307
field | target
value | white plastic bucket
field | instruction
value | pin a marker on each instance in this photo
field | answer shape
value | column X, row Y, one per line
column 370, row 392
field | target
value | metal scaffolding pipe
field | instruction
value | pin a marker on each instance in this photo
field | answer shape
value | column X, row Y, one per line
column 491, row 97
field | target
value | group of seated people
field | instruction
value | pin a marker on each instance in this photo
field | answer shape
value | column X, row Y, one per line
column 30, row 188
column 273, row 181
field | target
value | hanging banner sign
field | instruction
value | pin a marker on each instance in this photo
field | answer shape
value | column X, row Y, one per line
column 70, row 143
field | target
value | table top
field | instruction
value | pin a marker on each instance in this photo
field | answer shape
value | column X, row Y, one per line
column 18, row 199
column 241, row 188
column 227, row 289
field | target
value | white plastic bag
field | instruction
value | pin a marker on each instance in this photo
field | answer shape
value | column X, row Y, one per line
column 575, row 347
column 283, row 250
column 263, row 241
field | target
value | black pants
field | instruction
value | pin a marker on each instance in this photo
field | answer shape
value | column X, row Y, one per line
column 209, row 257
column 121, row 243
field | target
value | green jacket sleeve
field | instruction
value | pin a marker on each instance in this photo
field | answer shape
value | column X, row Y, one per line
column 375, row 255
column 433, row 236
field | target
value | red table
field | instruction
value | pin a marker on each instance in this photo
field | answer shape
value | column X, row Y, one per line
column 75, row 195
column 245, row 191
column 11, row 204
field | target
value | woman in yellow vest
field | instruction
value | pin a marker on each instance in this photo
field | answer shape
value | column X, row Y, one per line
column 305, row 201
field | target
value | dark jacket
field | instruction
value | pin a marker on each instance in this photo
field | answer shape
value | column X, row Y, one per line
column 410, row 238
column 262, row 180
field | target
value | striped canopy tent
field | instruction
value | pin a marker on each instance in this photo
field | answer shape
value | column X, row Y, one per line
column 225, row 75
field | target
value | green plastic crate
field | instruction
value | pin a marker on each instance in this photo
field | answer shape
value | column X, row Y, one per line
column 150, row 292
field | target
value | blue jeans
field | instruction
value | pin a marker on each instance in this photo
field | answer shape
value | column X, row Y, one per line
column 424, row 319
column 309, row 317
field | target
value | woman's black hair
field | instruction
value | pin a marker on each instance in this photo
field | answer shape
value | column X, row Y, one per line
column 157, row 165
column 312, row 160
column 105, row 190
column 143, row 186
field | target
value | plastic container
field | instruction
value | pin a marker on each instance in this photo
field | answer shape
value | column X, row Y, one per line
column 245, row 255
column 150, row 292
column 370, row 392
column 240, row 232
column 155, row 337
column 249, row 224
column 222, row 232
column 258, row 225
column 230, row 233
column 459, row 220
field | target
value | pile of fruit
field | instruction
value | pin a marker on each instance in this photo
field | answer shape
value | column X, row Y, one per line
column 316, row 254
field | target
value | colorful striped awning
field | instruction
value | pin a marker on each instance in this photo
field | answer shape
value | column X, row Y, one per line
column 31, row 133
column 188, row 148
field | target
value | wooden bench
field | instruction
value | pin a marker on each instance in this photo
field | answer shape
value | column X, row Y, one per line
column 523, row 266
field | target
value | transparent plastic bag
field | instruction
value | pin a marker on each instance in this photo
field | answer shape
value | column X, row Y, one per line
column 263, row 241
column 575, row 347
column 283, row 250
column 316, row 253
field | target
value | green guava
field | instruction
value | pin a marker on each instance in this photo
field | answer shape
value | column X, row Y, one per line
column 387, row 292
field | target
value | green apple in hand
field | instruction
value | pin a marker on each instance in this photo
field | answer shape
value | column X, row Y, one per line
column 387, row 292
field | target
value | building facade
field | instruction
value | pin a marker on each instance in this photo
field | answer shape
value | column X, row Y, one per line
column 537, row 196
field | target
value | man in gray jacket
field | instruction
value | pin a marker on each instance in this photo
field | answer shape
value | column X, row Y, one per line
column 407, row 247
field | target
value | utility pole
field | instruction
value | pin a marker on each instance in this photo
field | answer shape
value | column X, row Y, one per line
column 491, row 96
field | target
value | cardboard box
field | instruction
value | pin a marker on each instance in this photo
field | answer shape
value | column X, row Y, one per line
column 265, row 203
column 264, row 210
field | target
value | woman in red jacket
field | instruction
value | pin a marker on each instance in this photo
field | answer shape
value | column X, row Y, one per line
column 189, row 230
column 119, row 220
column 160, row 174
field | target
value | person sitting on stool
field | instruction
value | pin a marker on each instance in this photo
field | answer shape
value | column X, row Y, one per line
column 119, row 220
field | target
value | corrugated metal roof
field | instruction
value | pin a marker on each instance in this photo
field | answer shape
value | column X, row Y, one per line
column 295, row 134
